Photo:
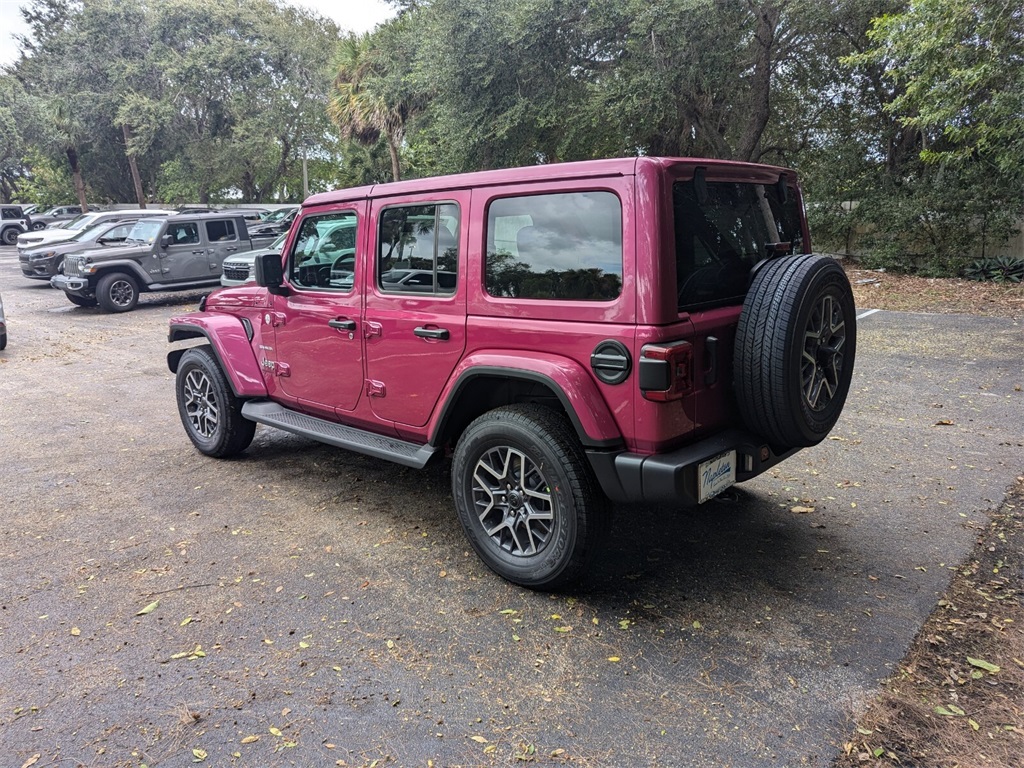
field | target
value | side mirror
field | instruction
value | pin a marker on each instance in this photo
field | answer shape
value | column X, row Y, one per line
column 270, row 273
column 166, row 240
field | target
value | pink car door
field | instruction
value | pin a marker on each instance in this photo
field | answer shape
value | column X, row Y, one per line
column 415, row 316
column 318, row 360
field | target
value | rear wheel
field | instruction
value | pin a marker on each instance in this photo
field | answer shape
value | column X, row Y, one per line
column 209, row 410
column 117, row 292
column 526, row 496
column 795, row 348
column 11, row 235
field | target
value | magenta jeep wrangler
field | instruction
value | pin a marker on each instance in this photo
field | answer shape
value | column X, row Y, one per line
column 572, row 335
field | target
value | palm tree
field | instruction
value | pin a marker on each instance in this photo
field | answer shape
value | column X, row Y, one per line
column 368, row 98
column 69, row 132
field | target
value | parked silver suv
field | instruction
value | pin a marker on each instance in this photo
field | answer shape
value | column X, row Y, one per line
column 13, row 222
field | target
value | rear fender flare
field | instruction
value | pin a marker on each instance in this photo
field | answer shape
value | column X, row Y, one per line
column 574, row 387
column 229, row 337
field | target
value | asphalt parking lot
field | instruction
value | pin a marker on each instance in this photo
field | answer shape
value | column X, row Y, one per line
column 306, row 606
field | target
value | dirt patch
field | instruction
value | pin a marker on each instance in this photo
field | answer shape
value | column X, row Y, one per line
column 907, row 293
column 957, row 700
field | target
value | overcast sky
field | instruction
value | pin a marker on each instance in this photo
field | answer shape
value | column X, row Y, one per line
column 354, row 15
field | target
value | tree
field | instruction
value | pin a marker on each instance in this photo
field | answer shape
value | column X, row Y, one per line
column 948, row 79
column 960, row 64
column 371, row 97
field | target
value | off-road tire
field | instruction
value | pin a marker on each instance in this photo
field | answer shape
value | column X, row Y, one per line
column 795, row 348
column 209, row 410
column 81, row 301
column 10, row 236
column 527, row 498
column 117, row 292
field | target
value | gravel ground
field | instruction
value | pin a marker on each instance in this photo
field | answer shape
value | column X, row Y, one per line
column 306, row 606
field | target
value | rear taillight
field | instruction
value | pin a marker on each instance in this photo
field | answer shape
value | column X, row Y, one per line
column 666, row 370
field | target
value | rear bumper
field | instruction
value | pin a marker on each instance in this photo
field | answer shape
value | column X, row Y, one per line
column 672, row 477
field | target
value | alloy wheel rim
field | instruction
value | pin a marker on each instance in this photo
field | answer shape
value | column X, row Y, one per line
column 200, row 405
column 822, row 360
column 513, row 501
column 121, row 293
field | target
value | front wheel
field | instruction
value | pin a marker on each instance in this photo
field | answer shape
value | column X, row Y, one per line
column 526, row 496
column 81, row 301
column 117, row 292
column 209, row 410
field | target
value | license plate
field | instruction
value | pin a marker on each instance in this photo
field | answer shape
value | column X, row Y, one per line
column 715, row 475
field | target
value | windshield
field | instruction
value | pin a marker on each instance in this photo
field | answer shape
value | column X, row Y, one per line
column 145, row 231
column 278, row 215
column 722, row 231
column 81, row 220
column 90, row 231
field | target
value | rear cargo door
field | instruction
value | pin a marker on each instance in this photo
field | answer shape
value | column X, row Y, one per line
column 724, row 227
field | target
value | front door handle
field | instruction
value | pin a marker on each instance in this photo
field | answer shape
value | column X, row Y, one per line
column 433, row 333
column 342, row 325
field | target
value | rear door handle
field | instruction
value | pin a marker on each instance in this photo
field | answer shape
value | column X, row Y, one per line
column 433, row 333
column 342, row 325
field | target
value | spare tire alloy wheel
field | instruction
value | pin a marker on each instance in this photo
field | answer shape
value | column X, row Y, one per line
column 209, row 410
column 526, row 497
column 795, row 348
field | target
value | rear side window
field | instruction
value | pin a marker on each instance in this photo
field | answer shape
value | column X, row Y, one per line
column 11, row 213
column 418, row 249
column 722, row 230
column 220, row 231
column 557, row 246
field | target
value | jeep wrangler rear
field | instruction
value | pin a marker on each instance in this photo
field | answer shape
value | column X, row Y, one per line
column 573, row 335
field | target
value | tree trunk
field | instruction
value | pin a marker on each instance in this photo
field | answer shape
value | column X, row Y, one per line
column 395, row 169
column 133, row 165
column 768, row 18
column 76, row 175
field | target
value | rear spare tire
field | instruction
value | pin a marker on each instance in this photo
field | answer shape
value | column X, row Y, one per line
column 795, row 347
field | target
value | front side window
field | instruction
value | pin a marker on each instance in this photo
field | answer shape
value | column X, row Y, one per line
column 220, row 231
column 324, row 256
column 418, row 249
column 558, row 246
column 722, row 230
column 184, row 233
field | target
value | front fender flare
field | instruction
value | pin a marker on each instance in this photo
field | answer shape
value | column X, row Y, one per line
column 572, row 385
column 230, row 340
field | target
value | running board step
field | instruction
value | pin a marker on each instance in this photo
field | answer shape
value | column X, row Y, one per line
column 361, row 441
